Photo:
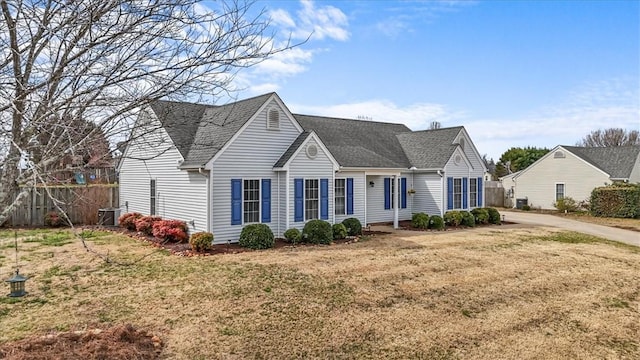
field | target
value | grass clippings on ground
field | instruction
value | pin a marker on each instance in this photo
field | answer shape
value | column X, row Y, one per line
column 484, row 293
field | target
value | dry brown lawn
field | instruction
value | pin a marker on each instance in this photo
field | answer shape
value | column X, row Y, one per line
column 491, row 293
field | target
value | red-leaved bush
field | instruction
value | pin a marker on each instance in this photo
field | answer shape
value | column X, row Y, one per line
column 128, row 220
column 145, row 224
column 171, row 230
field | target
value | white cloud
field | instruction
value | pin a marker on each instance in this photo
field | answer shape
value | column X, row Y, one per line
column 592, row 106
column 316, row 22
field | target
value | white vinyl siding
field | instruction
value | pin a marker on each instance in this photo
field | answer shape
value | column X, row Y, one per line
column 429, row 194
column 376, row 212
column 179, row 194
column 250, row 156
column 538, row 182
column 457, row 171
column 302, row 167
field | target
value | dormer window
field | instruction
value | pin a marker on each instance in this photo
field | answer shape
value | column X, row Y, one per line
column 273, row 119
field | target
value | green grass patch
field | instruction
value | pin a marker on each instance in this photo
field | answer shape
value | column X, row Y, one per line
column 59, row 238
column 92, row 234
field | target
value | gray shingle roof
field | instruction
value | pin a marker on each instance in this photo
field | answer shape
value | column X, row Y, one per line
column 429, row 149
column 200, row 131
column 616, row 161
column 357, row 143
column 292, row 149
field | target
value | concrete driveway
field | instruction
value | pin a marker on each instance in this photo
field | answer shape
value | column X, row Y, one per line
column 607, row 232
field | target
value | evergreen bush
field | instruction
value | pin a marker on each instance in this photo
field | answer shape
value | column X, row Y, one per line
column 420, row 220
column 353, row 225
column 317, row 232
column 257, row 236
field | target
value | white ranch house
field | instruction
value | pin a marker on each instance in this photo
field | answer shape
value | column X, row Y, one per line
column 572, row 171
column 221, row 167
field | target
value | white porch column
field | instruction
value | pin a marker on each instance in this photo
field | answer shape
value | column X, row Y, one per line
column 396, row 201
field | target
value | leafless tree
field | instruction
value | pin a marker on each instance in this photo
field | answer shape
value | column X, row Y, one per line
column 610, row 137
column 434, row 125
column 62, row 62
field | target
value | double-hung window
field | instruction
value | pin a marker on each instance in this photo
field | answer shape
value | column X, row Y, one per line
column 251, row 201
column 340, row 196
column 473, row 192
column 311, row 199
column 559, row 192
column 457, row 193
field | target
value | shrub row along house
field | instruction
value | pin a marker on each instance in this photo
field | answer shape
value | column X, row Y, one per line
column 252, row 161
column 572, row 171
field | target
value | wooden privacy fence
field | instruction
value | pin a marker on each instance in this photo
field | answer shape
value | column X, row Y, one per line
column 80, row 203
column 494, row 194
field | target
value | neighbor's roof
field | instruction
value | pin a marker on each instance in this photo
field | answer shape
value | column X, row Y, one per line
column 200, row 131
column 359, row 143
column 617, row 161
column 430, row 149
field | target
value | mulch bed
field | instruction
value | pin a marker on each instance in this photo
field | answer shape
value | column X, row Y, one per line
column 116, row 342
column 184, row 249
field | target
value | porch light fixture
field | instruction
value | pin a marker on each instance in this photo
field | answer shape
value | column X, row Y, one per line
column 16, row 283
column 371, row 183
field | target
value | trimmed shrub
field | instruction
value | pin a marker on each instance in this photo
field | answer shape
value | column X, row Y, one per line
column 201, row 241
column 468, row 219
column 617, row 200
column 480, row 215
column 339, row 231
column 317, row 232
column 353, row 225
column 54, row 219
column 171, row 230
column 257, row 236
column 526, row 208
column 453, row 218
column 436, row 222
column 494, row 216
column 566, row 204
column 420, row 220
column 145, row 224
column 293, row 236
column 128, row 220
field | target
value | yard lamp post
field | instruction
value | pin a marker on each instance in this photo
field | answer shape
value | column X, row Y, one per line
column 16, row 283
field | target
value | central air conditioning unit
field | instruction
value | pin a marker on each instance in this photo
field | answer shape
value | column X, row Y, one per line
column 108, row 216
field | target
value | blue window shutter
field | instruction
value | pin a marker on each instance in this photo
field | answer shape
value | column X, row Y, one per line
column 403, row 191
column 236, row 201
column 480, row 187
column 449, row 193
column 324, row 199
column 349, row 196
column 465, row 192
column 298, row 196
column 266, row 200
column 387, row 193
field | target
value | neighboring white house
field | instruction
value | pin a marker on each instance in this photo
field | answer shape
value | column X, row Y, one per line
column 222, row 167
column 570, row 171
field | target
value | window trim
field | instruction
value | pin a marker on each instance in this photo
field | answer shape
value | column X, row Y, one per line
column 317, row 199
column 344, row 196
column 259, row 200
column 473, row 195
column 564, row 190
column 459, row 179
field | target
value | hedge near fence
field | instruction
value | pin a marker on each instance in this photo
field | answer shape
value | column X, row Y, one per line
column 617, row 200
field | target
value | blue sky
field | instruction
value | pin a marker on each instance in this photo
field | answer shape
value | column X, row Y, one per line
column 514, row 73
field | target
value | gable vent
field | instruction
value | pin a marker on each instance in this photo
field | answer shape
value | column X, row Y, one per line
column 312, row 151
column 273, row 119
column 558, row 155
